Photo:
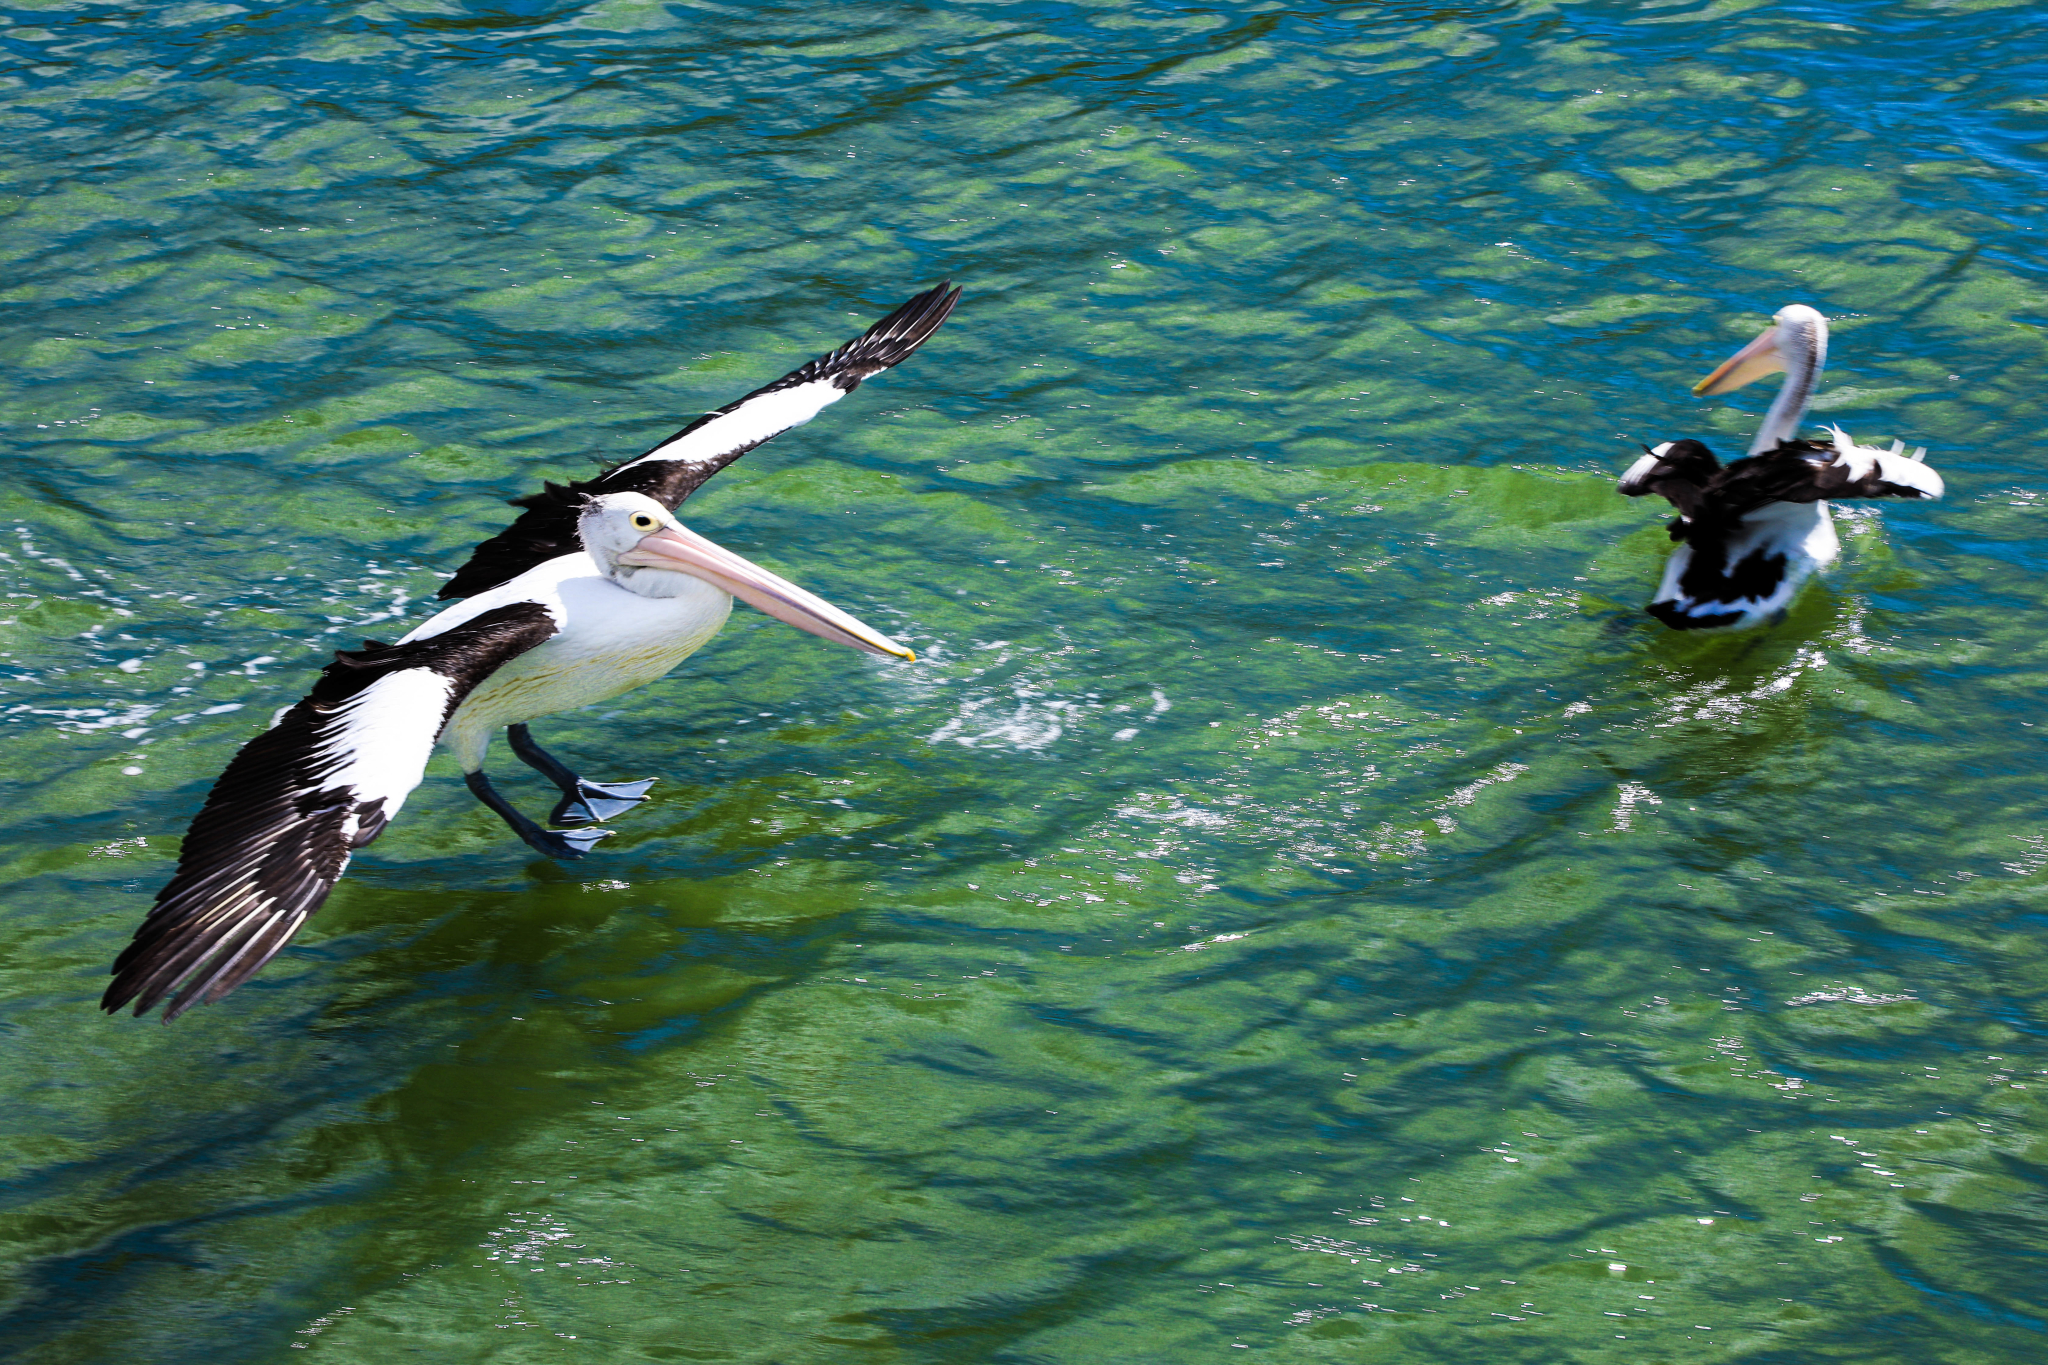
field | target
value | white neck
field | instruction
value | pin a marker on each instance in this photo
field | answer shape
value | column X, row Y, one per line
column 658, row 583
column 1803, row 342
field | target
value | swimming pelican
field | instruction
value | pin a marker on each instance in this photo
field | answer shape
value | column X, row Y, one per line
column 627, row 595
column 1750, row 533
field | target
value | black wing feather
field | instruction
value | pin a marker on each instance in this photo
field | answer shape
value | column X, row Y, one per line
column 1787, row 473
column 275, row 833
column 1806, row 471
column 1678, row 475
column 547, row 528
column 1715, row 497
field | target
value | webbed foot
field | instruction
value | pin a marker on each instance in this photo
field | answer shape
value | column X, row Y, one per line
column 564, row 843
column 595, row 802
column 583, row 803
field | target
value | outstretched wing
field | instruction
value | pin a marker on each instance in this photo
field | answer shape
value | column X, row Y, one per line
column 674, row 469
column 278, row 827
column 1817, row 471
column 1853, row 471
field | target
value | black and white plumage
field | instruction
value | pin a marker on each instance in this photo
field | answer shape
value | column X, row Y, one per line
column 594, row 591
column 1752, row 532
column 279, row 825
column 678, row 466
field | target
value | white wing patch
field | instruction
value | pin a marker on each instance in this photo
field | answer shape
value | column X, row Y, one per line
column 377, row 742
column 278, row 828
column 540, row 585
column 1893, row 466
column 752, row 422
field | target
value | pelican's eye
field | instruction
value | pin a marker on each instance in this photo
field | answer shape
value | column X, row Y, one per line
column 643, row 522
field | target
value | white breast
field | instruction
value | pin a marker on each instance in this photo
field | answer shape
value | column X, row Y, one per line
column 612, row 641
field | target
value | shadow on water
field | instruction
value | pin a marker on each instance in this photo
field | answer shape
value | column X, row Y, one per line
column 431, row 1054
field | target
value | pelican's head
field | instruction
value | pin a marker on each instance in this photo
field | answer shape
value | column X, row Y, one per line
column 1796, row 340
column 638, row 544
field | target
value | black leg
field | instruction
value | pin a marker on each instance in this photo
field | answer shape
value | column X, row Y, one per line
column 583, row 803
column 553, row 842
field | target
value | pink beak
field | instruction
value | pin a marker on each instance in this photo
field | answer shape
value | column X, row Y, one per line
column 684, row 551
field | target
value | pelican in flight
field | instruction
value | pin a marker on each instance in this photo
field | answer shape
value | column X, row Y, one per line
column 1751, row 532
column 595, row 590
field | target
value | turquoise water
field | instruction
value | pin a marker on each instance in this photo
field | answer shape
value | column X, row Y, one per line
column 1298, row 908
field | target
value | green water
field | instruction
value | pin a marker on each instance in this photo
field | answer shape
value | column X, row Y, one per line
column 1297, row 908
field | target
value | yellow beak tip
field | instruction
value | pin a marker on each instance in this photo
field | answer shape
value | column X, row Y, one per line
column 910, row 656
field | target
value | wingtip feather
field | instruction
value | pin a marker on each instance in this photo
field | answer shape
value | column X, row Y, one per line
column 546, row 525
